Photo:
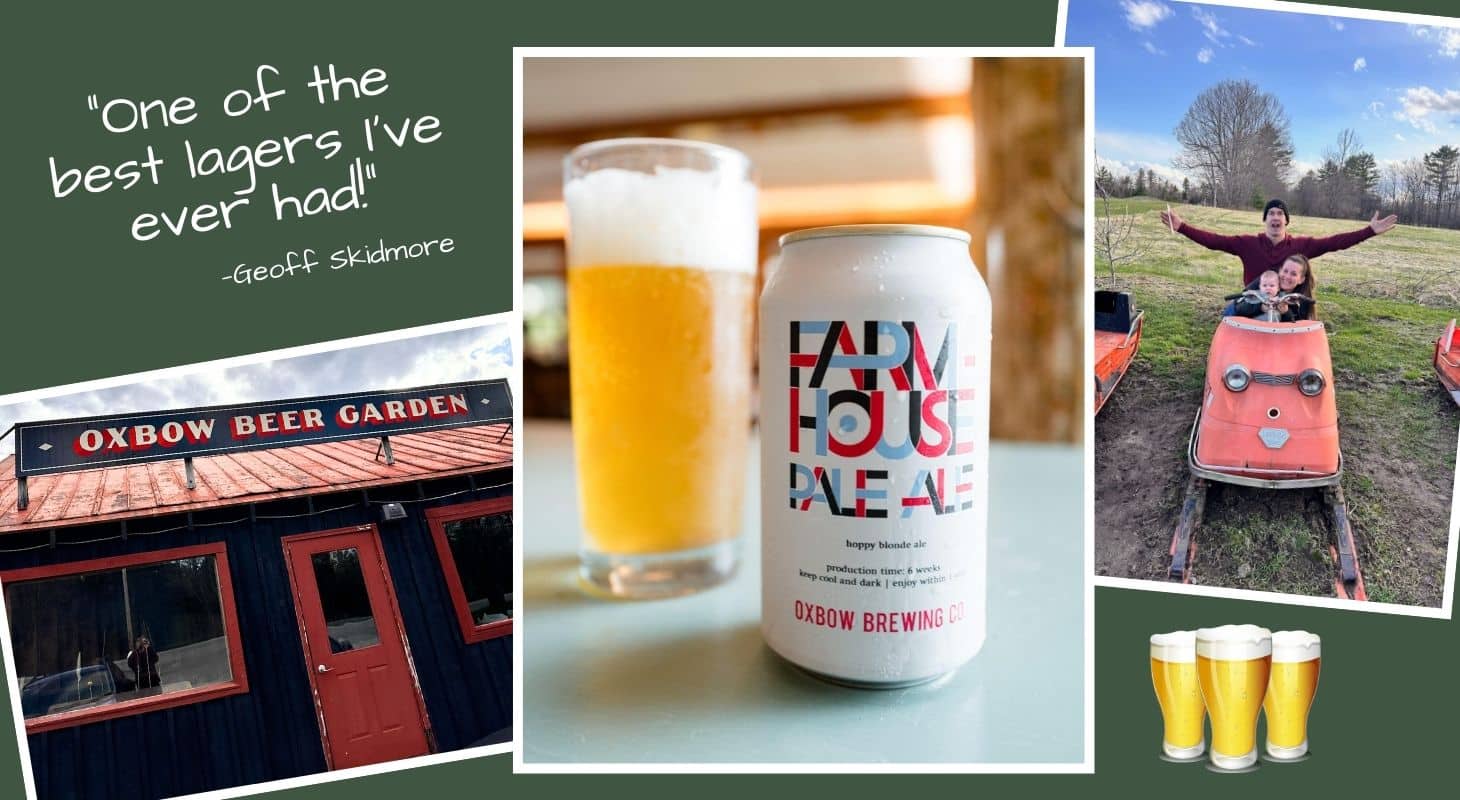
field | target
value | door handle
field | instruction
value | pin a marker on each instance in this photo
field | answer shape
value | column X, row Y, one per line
column 322, row 669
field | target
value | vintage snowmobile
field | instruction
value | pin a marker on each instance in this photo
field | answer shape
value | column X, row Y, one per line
column 1447, row 360
column 1268, row 419
column 1117, row 339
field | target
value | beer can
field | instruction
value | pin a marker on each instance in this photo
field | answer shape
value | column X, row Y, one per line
column 874, row 370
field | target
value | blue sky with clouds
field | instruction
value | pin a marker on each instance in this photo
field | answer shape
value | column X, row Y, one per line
column 1396, row 85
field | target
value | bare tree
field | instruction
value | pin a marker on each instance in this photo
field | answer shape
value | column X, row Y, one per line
column 1391, row 185
column 1268, row 163
column 1236, row 137
column 1115, row 239
column 1414, row 185
column 1347, row 144
column 1340, row 189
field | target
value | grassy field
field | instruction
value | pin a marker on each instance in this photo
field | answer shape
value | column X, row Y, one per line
column 1384, row 302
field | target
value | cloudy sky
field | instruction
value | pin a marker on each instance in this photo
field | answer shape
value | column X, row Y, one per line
column 1396, row 85
column 466, row 354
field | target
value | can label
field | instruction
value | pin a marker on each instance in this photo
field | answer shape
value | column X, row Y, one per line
column 874, row 562
column 899, row 404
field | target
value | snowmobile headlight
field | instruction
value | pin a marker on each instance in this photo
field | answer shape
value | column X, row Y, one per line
column 1237, row 377
column 1310, row 382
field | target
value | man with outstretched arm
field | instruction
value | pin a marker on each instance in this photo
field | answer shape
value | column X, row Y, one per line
column 1265, row 251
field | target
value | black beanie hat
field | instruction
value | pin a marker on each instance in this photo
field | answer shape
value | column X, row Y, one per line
column 1276, row 203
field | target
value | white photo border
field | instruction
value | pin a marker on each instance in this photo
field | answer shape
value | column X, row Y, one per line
column 1087, row 764
column 1447, row 600
column 513, row 322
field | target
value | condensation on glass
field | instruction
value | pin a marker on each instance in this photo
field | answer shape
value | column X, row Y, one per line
column 105, row 637
column 662, row 256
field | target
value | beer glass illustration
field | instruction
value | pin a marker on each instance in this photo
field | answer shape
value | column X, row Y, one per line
column 1178, row 690
column 1290, row 691
column 662, row 253
column 1233, row 662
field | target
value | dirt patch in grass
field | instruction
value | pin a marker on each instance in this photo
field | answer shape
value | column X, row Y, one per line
column 1384, row 303
column 1140, row 474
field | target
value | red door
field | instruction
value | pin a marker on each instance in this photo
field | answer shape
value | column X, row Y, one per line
column 365, row 692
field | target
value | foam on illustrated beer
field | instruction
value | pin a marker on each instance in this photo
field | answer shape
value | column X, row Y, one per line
column 1178, row 690
column 874, row 364
column 1233, row 662
column 1291, row 686
column 1229, row 674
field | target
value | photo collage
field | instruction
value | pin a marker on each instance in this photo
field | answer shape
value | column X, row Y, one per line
column 1033, row 410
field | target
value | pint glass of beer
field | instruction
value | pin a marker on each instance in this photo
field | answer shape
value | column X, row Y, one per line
column 1178, row 690
column 662, row 244
column 1232, row 664
column 1290, row 690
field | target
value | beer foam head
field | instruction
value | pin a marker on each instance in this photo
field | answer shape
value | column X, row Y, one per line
column 1234, row 642
column 674, row 217
column 1292, row 646
column 1176, row 646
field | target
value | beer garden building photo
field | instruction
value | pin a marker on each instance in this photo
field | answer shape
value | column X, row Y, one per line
column 213, row 597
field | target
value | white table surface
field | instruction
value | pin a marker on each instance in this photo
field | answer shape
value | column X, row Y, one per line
column 690, row 680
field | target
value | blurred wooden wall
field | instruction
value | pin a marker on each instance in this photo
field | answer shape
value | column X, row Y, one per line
column 1029, row 116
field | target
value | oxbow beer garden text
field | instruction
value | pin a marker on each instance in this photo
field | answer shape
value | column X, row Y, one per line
column 874, row 356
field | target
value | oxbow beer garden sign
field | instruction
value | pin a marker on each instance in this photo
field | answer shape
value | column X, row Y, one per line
column 74, row 444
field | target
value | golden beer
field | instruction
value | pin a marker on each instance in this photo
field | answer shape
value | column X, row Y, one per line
column 671, row 479
column 1233, row 663
column 662, row 246
column 1290, row 691
column 1178, row 690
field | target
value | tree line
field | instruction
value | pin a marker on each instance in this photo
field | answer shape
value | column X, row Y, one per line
column 1147, row 183
column 1236, row 140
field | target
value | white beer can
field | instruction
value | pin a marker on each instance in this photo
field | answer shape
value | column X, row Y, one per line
column 874, row 385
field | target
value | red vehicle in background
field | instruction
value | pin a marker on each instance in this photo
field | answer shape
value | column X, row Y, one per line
column 1117, row 340
column 1447, row 361
column 1268, row 419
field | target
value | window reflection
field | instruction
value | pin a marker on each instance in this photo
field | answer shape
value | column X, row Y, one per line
column 346, row 602
column 105, row 637
column 482, row 550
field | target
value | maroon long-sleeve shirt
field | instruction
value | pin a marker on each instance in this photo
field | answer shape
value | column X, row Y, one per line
column 1260, row 254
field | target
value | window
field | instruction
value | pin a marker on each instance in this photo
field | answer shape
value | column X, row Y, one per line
column 349, row 621
column 474, row 541
column 117, row 636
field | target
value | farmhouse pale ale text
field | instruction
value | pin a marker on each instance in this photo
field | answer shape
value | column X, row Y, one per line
column 1233, row 662
column 1178, row 690
column 874, row 365
column 1290, row 690
column 662, row 247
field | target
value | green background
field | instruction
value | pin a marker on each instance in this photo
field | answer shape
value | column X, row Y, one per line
column 82, row 299
column 79, row 300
